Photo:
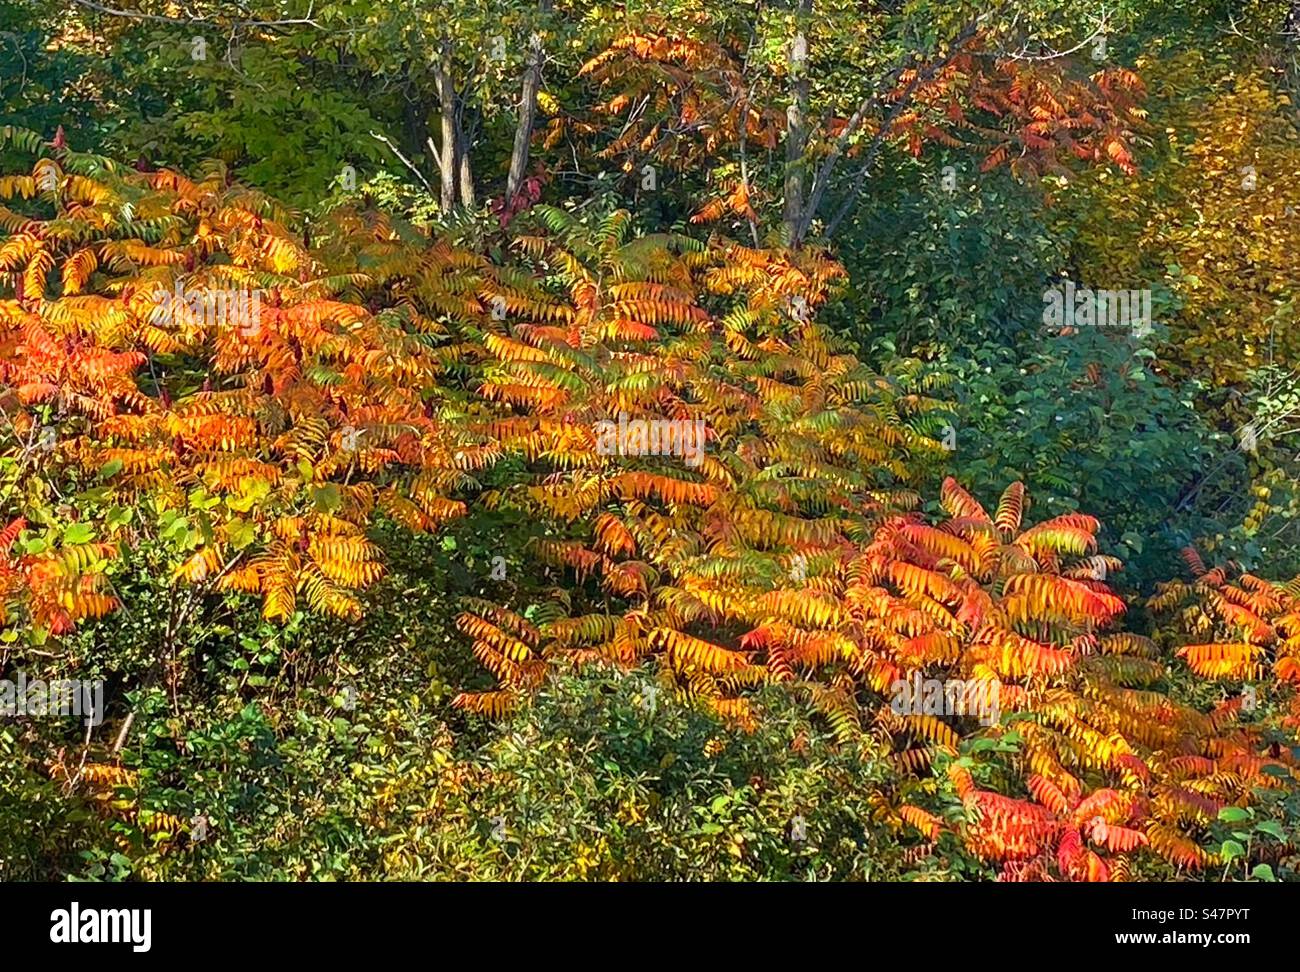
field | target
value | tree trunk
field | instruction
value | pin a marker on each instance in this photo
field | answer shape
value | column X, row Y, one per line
column 527, row 112
column 463, row 170
column 796, row 136
column 449, row 163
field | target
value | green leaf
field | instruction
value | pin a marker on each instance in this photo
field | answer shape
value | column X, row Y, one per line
column 241, row 533
column 1272, row 828
column 176, row 529
column 1233, row 815
column 119, row 516
column 77, row 533
column 96, row 494
column 1231, row 850
column 327, row 498
column 1263, row 872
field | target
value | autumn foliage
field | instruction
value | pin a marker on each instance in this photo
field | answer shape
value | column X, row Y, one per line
column 305, row 421
column 386, row 379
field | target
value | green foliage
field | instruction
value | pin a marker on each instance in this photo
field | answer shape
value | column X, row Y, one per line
column 41, row 81
column 1087, row 424
column 1258, row 843
column 931, row 269
column 607, row 777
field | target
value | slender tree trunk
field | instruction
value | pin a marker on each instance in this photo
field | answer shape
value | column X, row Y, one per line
column 463, row 170
column 527, row 112
column 796, row 136
column 449, row 164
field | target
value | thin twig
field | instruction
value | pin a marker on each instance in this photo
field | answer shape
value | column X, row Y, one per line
column 405, row 161
column 160, row 19
column 1056, row 55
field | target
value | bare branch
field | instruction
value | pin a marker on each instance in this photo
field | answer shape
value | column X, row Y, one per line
column 405, row 161
column 1098, row 31
column 189, row 21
